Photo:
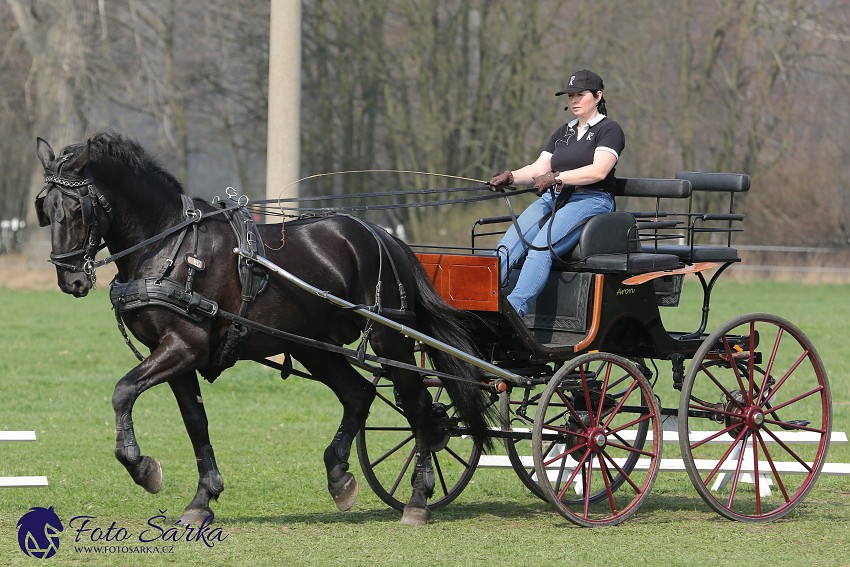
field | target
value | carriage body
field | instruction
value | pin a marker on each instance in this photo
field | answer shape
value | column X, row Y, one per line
column 598, row 323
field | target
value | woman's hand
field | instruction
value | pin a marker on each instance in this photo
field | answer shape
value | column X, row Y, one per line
column 500, row 180
column 544, row 182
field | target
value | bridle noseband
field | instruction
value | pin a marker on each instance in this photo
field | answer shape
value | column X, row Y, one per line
column 92, row 203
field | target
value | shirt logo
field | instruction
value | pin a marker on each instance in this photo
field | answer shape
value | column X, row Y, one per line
column 590, row 136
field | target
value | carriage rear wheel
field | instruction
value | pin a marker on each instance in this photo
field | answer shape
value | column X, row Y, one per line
column 759, row 388
column 385, row 449
column 596, row 440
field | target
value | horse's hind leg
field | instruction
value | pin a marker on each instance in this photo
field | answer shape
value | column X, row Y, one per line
column 355, row 393
column 417, row 407
column 210, row 484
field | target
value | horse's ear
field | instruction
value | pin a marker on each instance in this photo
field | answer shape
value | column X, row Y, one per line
column 45, row 152
column 81, row 161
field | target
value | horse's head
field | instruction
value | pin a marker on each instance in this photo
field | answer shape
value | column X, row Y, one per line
column 76, row 212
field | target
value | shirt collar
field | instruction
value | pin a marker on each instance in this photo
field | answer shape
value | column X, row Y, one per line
column 592, row 122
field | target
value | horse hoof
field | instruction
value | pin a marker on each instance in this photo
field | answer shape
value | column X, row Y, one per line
column 415, row 516
column 153, row 480
column 196, row 517
column 345, row 496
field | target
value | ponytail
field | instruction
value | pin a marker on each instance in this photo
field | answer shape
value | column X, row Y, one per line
column 600, row 106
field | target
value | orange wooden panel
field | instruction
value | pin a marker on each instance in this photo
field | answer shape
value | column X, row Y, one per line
column 465, row 281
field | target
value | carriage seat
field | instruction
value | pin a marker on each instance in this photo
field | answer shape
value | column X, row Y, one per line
column 709, row 182
column 609, row 243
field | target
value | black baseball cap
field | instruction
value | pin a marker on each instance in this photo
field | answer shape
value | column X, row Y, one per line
column 584, row 80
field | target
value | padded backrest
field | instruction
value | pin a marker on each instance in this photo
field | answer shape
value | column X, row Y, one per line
column 658, row 188
column 728, row 182
column 608, row 233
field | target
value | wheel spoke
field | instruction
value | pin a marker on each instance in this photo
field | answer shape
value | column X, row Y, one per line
column 456, row 457
column 737, row 474
column 391, row 452
column 606, row 478
column 439, row 470
column 788, row 374
column 624, row 474
column 723, row 458
column 587, row 403
column 714, row 435
column 770, row 362
column 817, row 390
column 619, row 405
column 773, row 468
column 793, row 454
column 722, row 388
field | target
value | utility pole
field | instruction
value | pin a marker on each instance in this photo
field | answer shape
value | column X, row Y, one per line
column 284, row 105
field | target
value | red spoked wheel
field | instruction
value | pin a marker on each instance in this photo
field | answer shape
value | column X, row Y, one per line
column 385, row 449
column 596, row 440
column 757, row 405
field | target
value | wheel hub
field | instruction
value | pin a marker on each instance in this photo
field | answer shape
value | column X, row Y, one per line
column 440, row 423
column 597, row 440
column 755, row 417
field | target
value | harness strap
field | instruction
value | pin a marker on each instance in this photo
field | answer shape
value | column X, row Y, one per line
column 196, row 218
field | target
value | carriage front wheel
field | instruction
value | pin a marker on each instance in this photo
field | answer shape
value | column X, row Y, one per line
column 596, row 413
column 386, row 449
column 755, row 418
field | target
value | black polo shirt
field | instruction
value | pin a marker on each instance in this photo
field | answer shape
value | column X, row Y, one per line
column 569, row 152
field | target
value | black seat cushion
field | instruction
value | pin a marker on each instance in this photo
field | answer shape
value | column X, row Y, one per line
column 699, row 253
column 634, row 263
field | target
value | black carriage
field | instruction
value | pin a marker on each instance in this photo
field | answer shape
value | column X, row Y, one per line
column 581, row 422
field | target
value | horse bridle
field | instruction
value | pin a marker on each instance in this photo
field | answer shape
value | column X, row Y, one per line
column 92, row 202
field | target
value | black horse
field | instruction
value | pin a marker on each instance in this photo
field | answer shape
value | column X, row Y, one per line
column 176, row 268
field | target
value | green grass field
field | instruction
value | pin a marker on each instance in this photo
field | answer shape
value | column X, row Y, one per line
column 60, row 358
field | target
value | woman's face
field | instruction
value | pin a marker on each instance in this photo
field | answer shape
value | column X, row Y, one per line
column 583, row 104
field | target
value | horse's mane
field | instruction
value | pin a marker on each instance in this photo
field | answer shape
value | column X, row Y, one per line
column 109, row 147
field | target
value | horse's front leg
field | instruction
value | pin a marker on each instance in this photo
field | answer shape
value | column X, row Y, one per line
column 210, row 484
column 145, row 471
column 164, row 362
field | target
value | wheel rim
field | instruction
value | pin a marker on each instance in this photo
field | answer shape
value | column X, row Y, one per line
column 385, row 450
column 756, row 386
column 585, row 439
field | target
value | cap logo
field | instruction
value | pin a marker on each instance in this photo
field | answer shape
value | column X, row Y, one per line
column 572, row 79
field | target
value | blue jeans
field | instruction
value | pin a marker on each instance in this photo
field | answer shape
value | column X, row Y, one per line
column 565, row 225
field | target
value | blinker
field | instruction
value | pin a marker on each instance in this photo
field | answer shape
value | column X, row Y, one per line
column 87, row 210
column 43, row 219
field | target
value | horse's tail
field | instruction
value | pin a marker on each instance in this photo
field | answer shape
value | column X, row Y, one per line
column 454, row 327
